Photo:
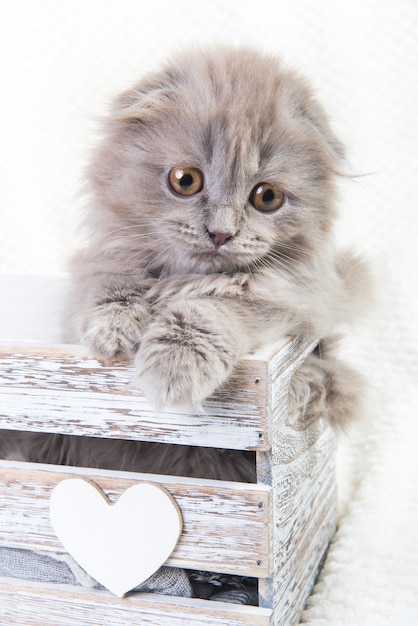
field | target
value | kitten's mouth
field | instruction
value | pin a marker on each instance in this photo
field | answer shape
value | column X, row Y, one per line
column 212, row 260
column 221, row 259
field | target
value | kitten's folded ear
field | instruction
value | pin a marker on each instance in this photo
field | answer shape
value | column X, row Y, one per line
column 307, row 109
column 146, row 100
column 317, row 117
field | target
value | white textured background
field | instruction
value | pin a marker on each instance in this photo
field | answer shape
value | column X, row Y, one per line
column 61, row 61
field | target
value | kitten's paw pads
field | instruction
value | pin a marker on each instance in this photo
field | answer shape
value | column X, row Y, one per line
column 114, row 330
column 181, row 362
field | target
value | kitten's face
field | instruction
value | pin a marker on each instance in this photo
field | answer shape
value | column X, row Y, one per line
column 221, row 162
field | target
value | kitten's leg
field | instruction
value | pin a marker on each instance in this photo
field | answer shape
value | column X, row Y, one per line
column 325, row 387
column 114, row 326
column 189, row 350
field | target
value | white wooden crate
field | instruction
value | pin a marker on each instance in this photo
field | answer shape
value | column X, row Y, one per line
column 276, row 530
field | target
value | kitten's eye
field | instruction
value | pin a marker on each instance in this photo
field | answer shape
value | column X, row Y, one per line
column 267, row 198
column 186, row 181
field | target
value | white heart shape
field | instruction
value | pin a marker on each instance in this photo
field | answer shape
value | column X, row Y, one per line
column 120, row 545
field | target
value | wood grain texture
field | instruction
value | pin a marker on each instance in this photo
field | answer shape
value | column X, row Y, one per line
column 213, row 512
column 55, row 390
column 300, row 468
column 30, row 604
column 277, row 530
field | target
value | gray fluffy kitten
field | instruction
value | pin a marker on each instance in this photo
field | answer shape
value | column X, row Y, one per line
column 209, row 234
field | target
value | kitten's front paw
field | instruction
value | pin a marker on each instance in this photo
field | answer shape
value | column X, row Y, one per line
column 183, row 357
column 114, row 330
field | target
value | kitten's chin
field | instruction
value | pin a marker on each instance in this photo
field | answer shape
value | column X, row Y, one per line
column 207, row 262
column 212, row 263
column 201, row 263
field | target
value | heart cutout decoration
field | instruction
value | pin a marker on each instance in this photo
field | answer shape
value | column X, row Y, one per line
column 120, row 545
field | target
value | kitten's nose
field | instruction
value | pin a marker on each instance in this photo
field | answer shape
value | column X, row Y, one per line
column 219, row 238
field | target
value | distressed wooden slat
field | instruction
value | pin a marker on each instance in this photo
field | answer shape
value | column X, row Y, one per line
column 295, row 468
column 225, row 524
column 304, row 529
column 300, row 468
column 55, row 390
column 31, row 604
